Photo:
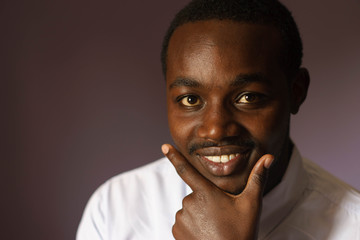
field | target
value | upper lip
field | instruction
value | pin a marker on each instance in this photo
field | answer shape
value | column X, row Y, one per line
column 223, row 150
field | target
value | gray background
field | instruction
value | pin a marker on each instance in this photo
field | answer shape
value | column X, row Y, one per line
column 82, row 99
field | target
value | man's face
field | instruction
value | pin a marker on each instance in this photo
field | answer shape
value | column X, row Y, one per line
column 228, row 98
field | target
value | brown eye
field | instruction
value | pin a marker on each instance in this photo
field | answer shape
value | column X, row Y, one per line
column 248, row 98
column 190, row 101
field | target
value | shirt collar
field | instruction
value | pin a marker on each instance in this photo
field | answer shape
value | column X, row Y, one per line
column 278, row 203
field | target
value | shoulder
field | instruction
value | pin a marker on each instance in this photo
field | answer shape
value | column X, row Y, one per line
column 135, row 201
column 126, row 188
column 331, row 188
column 142, row 176
column 328, row 209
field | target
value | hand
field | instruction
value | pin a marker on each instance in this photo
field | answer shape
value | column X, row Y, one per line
column 209, row 212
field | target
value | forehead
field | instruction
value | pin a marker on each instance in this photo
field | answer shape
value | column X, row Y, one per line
column 213, row 48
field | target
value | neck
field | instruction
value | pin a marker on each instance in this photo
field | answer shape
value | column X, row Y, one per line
column 278, row 169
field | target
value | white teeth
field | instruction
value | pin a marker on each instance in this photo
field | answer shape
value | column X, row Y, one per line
column 213, row 158
column 216, row 158
column 222, row 158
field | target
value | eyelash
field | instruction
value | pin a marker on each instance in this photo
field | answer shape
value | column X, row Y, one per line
column 181, row 98
column 259, row 98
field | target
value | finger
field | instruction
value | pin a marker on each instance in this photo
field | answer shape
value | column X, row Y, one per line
column 185, row 170
column 258, row 176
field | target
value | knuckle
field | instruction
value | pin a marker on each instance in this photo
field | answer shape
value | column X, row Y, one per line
column 185, row 202
column 181, row 168
column 175, row 231
column 259, row 179
column 178, row 215
column 188, row 201
column 171, row 155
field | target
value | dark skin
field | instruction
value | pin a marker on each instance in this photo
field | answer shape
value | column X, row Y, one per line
column 228, row 97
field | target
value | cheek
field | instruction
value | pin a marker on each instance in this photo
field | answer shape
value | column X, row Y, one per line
column 269, row 127
column 181, row 129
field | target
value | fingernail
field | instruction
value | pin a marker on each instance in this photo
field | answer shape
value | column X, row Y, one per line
column 165, row 149
column 268, row 162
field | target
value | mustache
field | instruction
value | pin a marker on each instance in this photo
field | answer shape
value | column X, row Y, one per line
column 245, row 143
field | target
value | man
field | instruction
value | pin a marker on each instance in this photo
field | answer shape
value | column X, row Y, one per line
column 233, row 78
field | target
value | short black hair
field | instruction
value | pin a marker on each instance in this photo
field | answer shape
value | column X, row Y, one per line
column 270, row 12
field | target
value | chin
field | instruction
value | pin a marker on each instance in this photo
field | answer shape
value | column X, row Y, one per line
column 230, row 186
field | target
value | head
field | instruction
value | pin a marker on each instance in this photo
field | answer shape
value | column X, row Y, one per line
column 267, row 12
column 233, row 78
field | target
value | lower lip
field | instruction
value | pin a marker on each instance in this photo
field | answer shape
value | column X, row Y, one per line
column 225, row 169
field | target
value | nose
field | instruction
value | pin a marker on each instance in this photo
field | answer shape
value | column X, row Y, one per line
column 218, row 122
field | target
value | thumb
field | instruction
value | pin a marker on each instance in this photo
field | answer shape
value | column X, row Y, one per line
column 258, row 177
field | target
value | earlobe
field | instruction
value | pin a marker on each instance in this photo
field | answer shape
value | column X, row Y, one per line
column 299, row 88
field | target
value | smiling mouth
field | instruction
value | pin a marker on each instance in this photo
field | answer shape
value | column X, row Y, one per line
column 222, row 158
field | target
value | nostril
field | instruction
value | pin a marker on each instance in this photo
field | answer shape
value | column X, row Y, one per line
column 217, row 128
column 233, row 129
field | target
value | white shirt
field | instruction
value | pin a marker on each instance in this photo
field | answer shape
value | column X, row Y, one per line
column 309, row 203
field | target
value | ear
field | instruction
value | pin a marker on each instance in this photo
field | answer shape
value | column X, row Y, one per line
column 299, row 88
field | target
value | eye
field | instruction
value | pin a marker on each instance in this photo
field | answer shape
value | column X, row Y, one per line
column 248, row 98
column 190, row 101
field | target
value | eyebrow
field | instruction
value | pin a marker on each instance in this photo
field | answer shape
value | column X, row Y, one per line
column 184, row 82
column 240, row 80
column 243, row 79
